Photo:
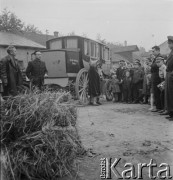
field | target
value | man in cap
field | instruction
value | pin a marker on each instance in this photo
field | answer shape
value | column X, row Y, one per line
column 36, row 71
column 10, row 72
column 136, row 81
column 169, row 81
column 155, row 79
column 162, row 75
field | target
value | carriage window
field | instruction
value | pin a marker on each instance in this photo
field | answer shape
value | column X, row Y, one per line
column 106, row 54
column 56, row 44
column 97, row 50
column 71, row 43
column 102, row 49
column 86, row 47
column 93, row 49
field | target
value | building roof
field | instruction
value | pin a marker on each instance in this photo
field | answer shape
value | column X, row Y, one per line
column 7, row 38
column 38, row 38
column 131, row 48
column 118, row 57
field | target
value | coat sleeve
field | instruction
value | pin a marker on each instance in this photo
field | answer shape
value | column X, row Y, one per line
column 3, row 71
column 46, row 71
column 29, row 70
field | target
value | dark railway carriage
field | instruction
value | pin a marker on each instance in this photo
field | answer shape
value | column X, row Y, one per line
column 68, row 57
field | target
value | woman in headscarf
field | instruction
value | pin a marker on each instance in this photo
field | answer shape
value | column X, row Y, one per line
column 169, row 81
column 94, row 84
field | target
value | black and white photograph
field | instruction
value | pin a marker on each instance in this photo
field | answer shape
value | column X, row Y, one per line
column 86, row 89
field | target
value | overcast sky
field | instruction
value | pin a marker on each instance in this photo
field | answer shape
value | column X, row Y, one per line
column 141, row 22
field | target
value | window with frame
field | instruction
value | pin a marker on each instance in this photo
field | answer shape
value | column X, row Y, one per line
column 97, row 50
column 56, row 44
column 93, row 49
column 102, row 52
column 106, row 54
column 86, row 47
column 71, row 43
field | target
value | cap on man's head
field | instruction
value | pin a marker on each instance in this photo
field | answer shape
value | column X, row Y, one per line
column 137, row 63
column 160, row 58
column 170, row 38
column 137, row 60
column 10, row 48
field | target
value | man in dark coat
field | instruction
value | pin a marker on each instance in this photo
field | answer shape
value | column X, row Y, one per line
column 137, row 78
column 10, row 73
column 120, row 75
column 155, row 79
column 169, row 81
column 36, row 71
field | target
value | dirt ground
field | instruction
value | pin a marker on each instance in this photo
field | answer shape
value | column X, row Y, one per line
column 126, row 131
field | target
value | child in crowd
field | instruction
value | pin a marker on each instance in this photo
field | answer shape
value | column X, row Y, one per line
column 115, row 87
column 127, row 80
column 147, row 73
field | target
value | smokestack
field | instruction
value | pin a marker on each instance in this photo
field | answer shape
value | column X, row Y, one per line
column 56, row 33
column 125, row 43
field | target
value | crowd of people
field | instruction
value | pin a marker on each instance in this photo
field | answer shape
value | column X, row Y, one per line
column 150, row 82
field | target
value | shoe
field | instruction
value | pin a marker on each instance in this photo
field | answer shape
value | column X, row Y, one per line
column 154, row 110
column 161, row 111
column 143, row 102
column 90, row 103
column 164, row 113
column 171, row 119
column 99, row 103
column 151, row 109
column 95, row 104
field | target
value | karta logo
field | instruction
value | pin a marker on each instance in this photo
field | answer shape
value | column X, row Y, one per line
column 110, row 170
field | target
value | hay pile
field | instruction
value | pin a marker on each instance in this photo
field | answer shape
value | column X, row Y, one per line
column 38, row 136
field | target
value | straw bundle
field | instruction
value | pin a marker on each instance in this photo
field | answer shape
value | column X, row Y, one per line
column 38, row 136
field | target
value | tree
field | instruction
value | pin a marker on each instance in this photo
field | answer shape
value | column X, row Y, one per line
column 99, row 38
column 71, row 33
column 31, row 28
column 9, row 22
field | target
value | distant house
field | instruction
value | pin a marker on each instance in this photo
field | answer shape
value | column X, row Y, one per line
column 123, row 53
column 24, row 46
column 164, row 49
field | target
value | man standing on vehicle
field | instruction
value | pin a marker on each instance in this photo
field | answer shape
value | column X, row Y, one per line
column 36, row 71
column 10, row 73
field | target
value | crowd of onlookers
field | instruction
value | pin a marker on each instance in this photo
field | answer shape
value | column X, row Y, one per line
column 147, row 82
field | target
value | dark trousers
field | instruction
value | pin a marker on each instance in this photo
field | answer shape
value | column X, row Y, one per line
column 127, row 94
column 157, row 99
column 120, row 94
column 162, row 99
column 135, row 91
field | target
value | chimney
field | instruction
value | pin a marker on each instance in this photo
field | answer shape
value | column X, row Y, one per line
column 125, row 43
column 56, row 33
